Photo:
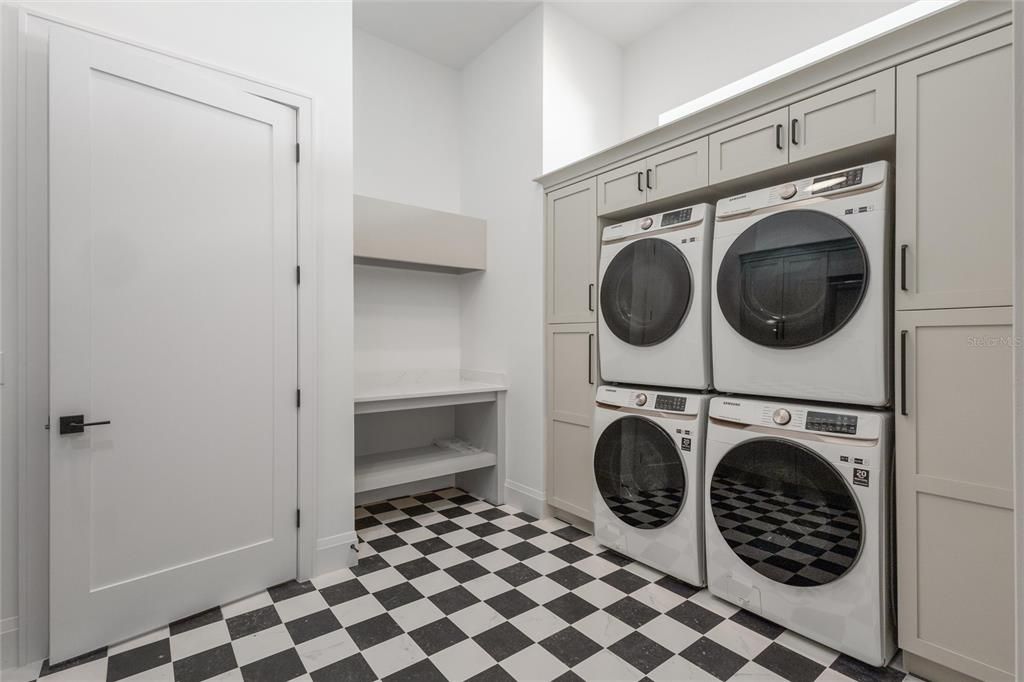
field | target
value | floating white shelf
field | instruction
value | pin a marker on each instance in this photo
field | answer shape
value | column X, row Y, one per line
column 413, row 390
column 384, row 469
column 404, row 236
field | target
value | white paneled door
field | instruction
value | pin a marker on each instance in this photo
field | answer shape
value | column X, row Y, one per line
column 173, row 310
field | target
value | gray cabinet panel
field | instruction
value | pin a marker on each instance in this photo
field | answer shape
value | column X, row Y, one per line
column 954, row 496
column 572, row 382
column 677, row 170
column 622, row 188
column 749, row 147
column 954, row 164
column 572, row 246
column 848, row 115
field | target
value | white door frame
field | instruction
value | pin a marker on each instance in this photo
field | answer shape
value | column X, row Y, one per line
column 31, row 362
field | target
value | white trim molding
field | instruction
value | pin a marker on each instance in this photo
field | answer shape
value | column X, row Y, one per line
column 9, row 643
column 527, row 499
column 336, row 552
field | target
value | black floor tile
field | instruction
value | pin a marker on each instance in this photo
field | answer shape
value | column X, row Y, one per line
column 862, row 672
column 253, row 621
column 416, row 568
column 373, row 631
column 570, row 554
column 431, row 546
column 678, row 586
column 312, row 626
column 351, row 669
column 466, row 571
column 369, row 565
column 789, row 664
column 343, row 592
column 484, row 530
column 477, row 548
column 713, row 658
column 570, row 577
column 204, row 665
column 493, row 674
column 94, row 655
column 423, row 671
column 198, row 620
column 491, row 514
column 387, row 542
column 570, row 646
column 510, row 604
column 523, row 550
column 625, row 580
column 397, row 595
column 287, row 590
column 640, row 652
column 631, row 612
column 502, row 641
column 695, row 617
column 453, row 599
column 571, row 534
column 526, row 532
column 517, row 574
column 437, row 636
column 570, row 608
column 763, row 627
column 280, row 667
column 443, row 527
column 138, row 660
column 402, row 525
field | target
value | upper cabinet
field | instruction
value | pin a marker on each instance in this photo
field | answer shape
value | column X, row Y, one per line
column 851, row 114
column 750, row 147
column 848, row 115
column 572, row 245
column 671, row 172
column 954, row 161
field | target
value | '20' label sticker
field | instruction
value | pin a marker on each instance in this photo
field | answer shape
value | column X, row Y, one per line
column 861, row 477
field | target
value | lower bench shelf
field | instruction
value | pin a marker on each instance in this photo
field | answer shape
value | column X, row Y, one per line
column 385, row 469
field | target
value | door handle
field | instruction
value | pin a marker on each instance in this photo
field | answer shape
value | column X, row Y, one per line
column 590, row 359
column 590, row 296
column 75, row 423
column 778, row 137
column 903, row 266
column 649, row 186
column 640, row 181
column 903, row 373
column 792, row 131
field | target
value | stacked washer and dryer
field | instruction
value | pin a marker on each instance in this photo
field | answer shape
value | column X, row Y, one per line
column 774, row 491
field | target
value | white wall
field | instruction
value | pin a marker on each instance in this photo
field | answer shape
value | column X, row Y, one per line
column 304, row 46
column 582, row 90
column 407, row 149
column 711, row 44
column 407, row 126
column 502, row 308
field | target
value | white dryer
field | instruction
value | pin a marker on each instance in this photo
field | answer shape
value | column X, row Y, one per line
column 802, row 289
column 648, row 475
column 654, row 300
column 797, row 519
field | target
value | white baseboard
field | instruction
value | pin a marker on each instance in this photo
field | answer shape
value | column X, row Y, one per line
column 335, row 552
column 9, row 643
column 527, row 499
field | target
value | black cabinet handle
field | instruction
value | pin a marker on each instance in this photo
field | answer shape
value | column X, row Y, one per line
column 590, row 296
column 649, row 186
column 792, row 131
column 903, row 373
column 778, row 136
column 903, row 266
column 640, row 181
column 590, row 359
column 75, row 423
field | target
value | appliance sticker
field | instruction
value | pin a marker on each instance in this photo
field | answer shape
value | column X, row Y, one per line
column 861, row 477
column 684, row 443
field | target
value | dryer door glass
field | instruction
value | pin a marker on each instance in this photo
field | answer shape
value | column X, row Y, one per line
column 645, row 292
column 786, row 512
column 792, row 279
column 639, row 473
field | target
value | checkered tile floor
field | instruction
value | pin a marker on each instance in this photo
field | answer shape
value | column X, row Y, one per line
column 452, row 588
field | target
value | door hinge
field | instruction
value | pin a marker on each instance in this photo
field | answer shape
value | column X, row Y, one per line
column 298, row 152
column 298, row 275
column 298, row 397
column 298, row 518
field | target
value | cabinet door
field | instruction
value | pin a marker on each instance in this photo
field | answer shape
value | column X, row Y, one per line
column 853, row 113
column 572, row 245
column 954, row 488
column 677, row 170
column 572, row 382
column 954, row 164
column 749, row 147
column 622, row 188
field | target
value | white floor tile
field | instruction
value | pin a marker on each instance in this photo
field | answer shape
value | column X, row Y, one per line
column 669, row 633
column 533, row 663
column 148, row 638
column 739, row 639
column 393, row 655
column 538, row 623
column 247, row 604
column 462, row 661
column 260, row 644
column 476, row 619
column 416, row 614
column 604, row 666
column 303, row 605
column 326, row 649
column 603, row 628
column 357, row 610
column 199, row 639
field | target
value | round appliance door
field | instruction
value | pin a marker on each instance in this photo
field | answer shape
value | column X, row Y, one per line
column 786, row 512
column 646, row 292
column 639, row 473
column 792, row 279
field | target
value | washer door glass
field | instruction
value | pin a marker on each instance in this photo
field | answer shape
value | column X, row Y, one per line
column 792, row 279
column 645, row 292
column 639, row 473
column 786, row 512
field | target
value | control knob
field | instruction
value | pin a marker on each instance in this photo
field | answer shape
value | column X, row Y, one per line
column 641, row 399
column 646, row 223
column 781, row 416
column 787, row 191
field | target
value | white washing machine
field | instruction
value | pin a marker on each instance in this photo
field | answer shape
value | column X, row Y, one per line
column 797, row 522
column 654, row 300
column 802, row 289
column 649, row 473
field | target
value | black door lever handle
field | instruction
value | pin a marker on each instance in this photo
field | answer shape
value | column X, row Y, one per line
column 75, row 423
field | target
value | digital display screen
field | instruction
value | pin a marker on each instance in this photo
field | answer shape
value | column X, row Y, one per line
column 830, row 422
column 676, row 217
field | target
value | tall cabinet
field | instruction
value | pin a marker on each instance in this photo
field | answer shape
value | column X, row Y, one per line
column 572, row 249
column 954, row 349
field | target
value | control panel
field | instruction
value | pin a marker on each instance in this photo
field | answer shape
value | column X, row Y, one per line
column 841, row 180
column 676, row 217
column 831, row 422
column 670, row 403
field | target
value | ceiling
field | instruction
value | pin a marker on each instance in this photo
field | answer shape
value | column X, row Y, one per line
column 454, row 32
column 622, row 22
column 445, row 31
